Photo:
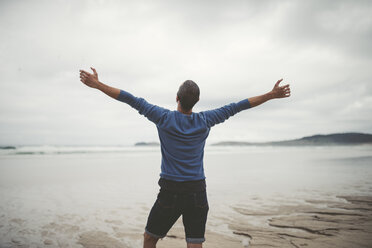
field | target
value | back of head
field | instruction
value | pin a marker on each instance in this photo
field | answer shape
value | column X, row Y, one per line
column 188, row 94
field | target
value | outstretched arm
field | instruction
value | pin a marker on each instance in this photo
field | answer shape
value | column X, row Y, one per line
column 150, row 111
column 277, row 92
column 92, row 81
column 219, row 115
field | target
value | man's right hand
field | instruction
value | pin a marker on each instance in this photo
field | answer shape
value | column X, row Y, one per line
column 280, row 91
column 277, row 92
column 89, row 79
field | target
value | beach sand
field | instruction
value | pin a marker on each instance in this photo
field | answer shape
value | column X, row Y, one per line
column 338, row 224
column 344, row 222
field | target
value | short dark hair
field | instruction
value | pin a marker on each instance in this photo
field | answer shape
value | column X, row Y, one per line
column 188, row 94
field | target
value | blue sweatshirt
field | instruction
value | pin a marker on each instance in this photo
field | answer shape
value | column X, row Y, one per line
column 182, row 137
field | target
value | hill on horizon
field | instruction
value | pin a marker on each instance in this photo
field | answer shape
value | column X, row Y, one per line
column 318, row 139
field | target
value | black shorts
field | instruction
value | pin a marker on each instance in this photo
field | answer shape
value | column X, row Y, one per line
column 188, row 199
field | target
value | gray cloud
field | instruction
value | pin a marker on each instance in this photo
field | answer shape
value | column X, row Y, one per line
column 232, row 50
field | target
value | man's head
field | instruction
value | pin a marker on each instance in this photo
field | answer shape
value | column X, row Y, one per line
column 188, row 95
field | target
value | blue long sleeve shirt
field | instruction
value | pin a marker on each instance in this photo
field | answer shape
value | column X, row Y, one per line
column 182, row 137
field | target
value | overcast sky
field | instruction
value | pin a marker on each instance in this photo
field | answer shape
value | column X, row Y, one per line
column 231, row 49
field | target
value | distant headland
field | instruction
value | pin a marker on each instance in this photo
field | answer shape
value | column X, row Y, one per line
column 337, row 139
column 147, row 144
column 315, row 140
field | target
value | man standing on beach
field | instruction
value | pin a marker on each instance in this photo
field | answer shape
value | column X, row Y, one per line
column 182, row 135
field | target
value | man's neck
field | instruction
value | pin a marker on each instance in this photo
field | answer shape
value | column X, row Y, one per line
column 179, row 109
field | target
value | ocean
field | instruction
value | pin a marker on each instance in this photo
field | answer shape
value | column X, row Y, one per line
column 56, row 193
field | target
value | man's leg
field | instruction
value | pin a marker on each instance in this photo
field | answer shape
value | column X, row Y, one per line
column 195, row 217
column 190, row 245
column 149, row 241
column 163, row 215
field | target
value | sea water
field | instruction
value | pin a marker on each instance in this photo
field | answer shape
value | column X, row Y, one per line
column 73, row 189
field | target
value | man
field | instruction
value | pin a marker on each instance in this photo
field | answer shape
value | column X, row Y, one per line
column 182, row 135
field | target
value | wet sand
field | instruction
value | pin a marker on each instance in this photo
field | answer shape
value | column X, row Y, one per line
column 344, row 222
column 338, row 224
